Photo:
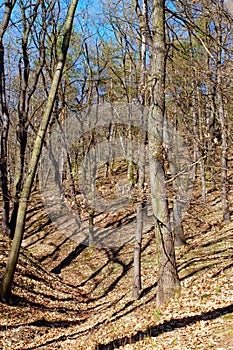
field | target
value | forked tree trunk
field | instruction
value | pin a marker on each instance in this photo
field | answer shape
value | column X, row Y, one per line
column 5, row 292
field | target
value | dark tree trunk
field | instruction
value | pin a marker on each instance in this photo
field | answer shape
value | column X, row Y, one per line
column 5, row 120
column 23, row 106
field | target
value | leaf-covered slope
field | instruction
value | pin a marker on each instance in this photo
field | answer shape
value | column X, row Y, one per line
column 70, row 296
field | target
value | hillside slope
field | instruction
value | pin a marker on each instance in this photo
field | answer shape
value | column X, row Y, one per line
column 70, row 296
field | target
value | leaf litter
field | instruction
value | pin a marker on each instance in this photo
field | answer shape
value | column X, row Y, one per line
column 70, row 297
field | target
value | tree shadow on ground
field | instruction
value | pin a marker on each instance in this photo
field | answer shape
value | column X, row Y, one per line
column 31, row 211
column 57, row 248
column 44, row 323
column 219, row 239
column 69, row 258
column 62, row 338
column 113, row 255
column 167, row 326
column 33, row 231
column 47, row 297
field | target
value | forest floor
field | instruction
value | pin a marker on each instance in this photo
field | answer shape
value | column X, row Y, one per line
column 69, row 296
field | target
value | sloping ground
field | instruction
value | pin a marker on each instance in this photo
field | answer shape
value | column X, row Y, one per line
column 70, row 296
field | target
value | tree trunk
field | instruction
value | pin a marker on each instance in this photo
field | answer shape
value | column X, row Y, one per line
column 223, row 123
column 168, row 281
column 23, row 109
column 137, row 284
column 5, row 120
column 140, row 210
column 171, row 141
column 6, row 286
column 224, row 149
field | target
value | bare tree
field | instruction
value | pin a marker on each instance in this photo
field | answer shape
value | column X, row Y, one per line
column 141, row 163
column 5, row 120
column 27, row 85
column 6, row 286
column 222, row 117
column 154, row 32
column 168, row 281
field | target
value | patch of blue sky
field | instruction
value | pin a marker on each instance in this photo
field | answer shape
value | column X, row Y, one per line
column 90, row 20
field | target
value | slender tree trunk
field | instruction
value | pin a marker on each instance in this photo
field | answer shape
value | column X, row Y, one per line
column 224, row 154
column 140, row 209
column 6, row 286
column 198, row 156
column 171, row 141
column 110, row 135
column 23, row 108
column 197, row 124
column 21, row 133
column 223, row 123
column 168, row 281
column 202, row 154
column 91, row 228
column 5, row 120
column 137, row 285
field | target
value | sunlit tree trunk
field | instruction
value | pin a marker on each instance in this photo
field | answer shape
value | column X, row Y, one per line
column 168, row 281
column 5, row 291
column 224, row 152
column 137, row 285
column 223, row 123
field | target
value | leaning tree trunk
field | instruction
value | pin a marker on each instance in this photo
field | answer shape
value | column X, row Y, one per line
column 168, row 281
column 5, row 292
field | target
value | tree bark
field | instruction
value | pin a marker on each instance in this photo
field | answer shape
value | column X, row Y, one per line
column 137, row 284
column 23, row 106
column 224, row 152
column 6, row 286
column 223, row 123
column 5, row 121
column 140, row 211
column 168, row 281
